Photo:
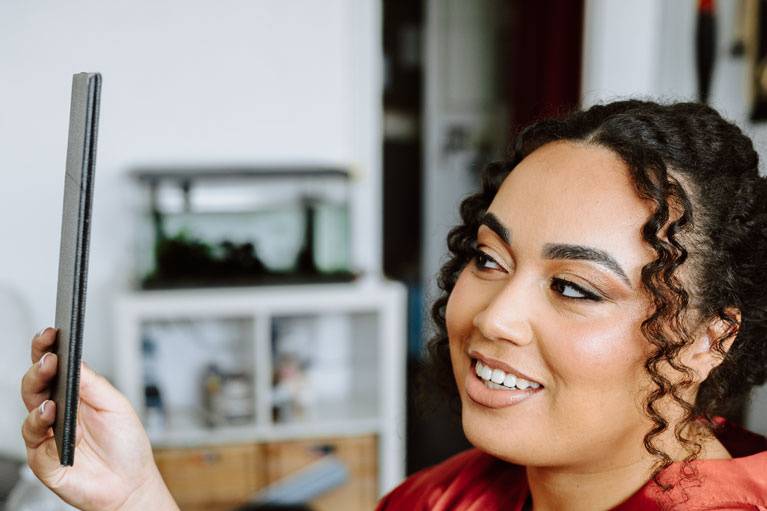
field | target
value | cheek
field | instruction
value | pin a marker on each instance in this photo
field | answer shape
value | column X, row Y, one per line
column 462, row 306
column 604, row 356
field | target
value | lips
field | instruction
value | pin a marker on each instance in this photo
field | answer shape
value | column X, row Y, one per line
column 488, row 393
column 493, row 364
column 497, row 378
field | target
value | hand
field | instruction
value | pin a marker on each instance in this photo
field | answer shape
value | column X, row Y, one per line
column 114, row 468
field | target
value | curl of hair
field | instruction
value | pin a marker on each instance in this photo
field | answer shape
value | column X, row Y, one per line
column 700, row 174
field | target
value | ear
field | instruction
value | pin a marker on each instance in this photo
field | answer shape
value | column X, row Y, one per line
column 712, row 342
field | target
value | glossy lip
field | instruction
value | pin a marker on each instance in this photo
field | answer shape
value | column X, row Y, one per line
column 497, row 364
column 479, row 393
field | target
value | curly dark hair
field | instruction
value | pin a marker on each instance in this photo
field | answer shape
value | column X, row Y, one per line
column 700, row 173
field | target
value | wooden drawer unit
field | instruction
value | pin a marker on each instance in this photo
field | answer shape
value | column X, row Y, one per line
column 212, row 478
column 359, row 454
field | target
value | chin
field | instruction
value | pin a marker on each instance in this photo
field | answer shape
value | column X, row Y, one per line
column 488, row 435
column 520, row 444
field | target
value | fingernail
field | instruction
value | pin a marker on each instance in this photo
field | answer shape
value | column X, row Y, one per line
column 42, row 406
column 42, row 359
column 41, row 332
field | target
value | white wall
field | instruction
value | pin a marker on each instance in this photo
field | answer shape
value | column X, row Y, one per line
column 185, row 82
column 646, row 49
column 619, row 47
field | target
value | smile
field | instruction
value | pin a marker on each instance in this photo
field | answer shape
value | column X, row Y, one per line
column 500, row 380
column 493, row 387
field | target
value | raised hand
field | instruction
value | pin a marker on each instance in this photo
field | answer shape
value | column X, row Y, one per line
column 113, row 464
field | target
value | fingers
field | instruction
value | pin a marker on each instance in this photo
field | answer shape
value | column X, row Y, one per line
column 42, row 342
column 37, row 426
column 95, row 390
column 35, row 385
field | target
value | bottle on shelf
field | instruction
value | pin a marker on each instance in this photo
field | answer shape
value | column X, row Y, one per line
column 154, row 407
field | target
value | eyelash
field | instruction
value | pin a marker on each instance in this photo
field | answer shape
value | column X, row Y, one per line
column 480, row 258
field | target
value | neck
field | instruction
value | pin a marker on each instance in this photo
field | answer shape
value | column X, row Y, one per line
column 605, row 483
column 583, row 489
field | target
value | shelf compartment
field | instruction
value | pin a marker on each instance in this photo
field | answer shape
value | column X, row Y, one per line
column 325, row 368
column 203, row 371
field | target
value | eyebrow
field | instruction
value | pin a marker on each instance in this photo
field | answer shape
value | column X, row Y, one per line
column 581, row 253
column 561, row 250
column 496, row 226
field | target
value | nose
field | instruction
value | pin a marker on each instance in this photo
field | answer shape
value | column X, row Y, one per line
column 507, row 315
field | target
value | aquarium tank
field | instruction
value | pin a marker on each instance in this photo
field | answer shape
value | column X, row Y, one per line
column 205, row 227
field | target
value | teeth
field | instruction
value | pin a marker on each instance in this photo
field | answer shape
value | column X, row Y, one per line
column 498, row 379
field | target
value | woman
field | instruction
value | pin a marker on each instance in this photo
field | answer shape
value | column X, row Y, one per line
column 603, row 304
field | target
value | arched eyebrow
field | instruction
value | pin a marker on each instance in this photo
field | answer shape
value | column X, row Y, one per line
column 582, row 253
column 496, row 226
column 561, row 250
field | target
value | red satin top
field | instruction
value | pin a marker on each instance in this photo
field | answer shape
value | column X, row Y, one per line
column 475, row 481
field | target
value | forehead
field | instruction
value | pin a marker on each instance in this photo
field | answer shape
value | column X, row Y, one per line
column 568, row 192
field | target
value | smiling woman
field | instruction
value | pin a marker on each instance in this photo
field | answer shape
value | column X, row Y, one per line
column 602, row 307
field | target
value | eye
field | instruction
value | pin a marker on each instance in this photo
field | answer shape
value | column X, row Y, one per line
column 573, row 291
column 485, row 262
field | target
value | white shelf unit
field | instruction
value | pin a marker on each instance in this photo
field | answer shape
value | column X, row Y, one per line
column 377, row 408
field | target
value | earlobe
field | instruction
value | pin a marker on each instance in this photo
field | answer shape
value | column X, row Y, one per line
column 714, row 343
column 703, row 359
column 725, row 330
column 717, row 338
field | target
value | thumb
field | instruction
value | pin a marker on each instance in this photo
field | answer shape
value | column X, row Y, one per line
column 97, row 392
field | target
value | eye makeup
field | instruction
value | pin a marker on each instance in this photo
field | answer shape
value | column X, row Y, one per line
column 564, row 251
column 482, row 261
column 572, row 290
column 581, row 253
column 485, row 263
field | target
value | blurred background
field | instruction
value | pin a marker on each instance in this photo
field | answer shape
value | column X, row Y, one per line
column 275, row 181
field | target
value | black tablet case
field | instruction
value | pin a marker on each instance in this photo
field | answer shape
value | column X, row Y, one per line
column 73, row 256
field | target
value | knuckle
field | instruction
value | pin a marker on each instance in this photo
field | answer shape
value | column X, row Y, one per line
column 24, row 383
column 29, row 380
column 31, row 430
column 30, row 400
column 39, row 346
column 26, row 432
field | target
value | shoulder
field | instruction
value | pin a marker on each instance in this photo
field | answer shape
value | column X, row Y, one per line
column 468, row 477
column 741, row 481
column 738, row 483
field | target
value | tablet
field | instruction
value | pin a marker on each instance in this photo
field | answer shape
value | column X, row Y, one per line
column 73, row 257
